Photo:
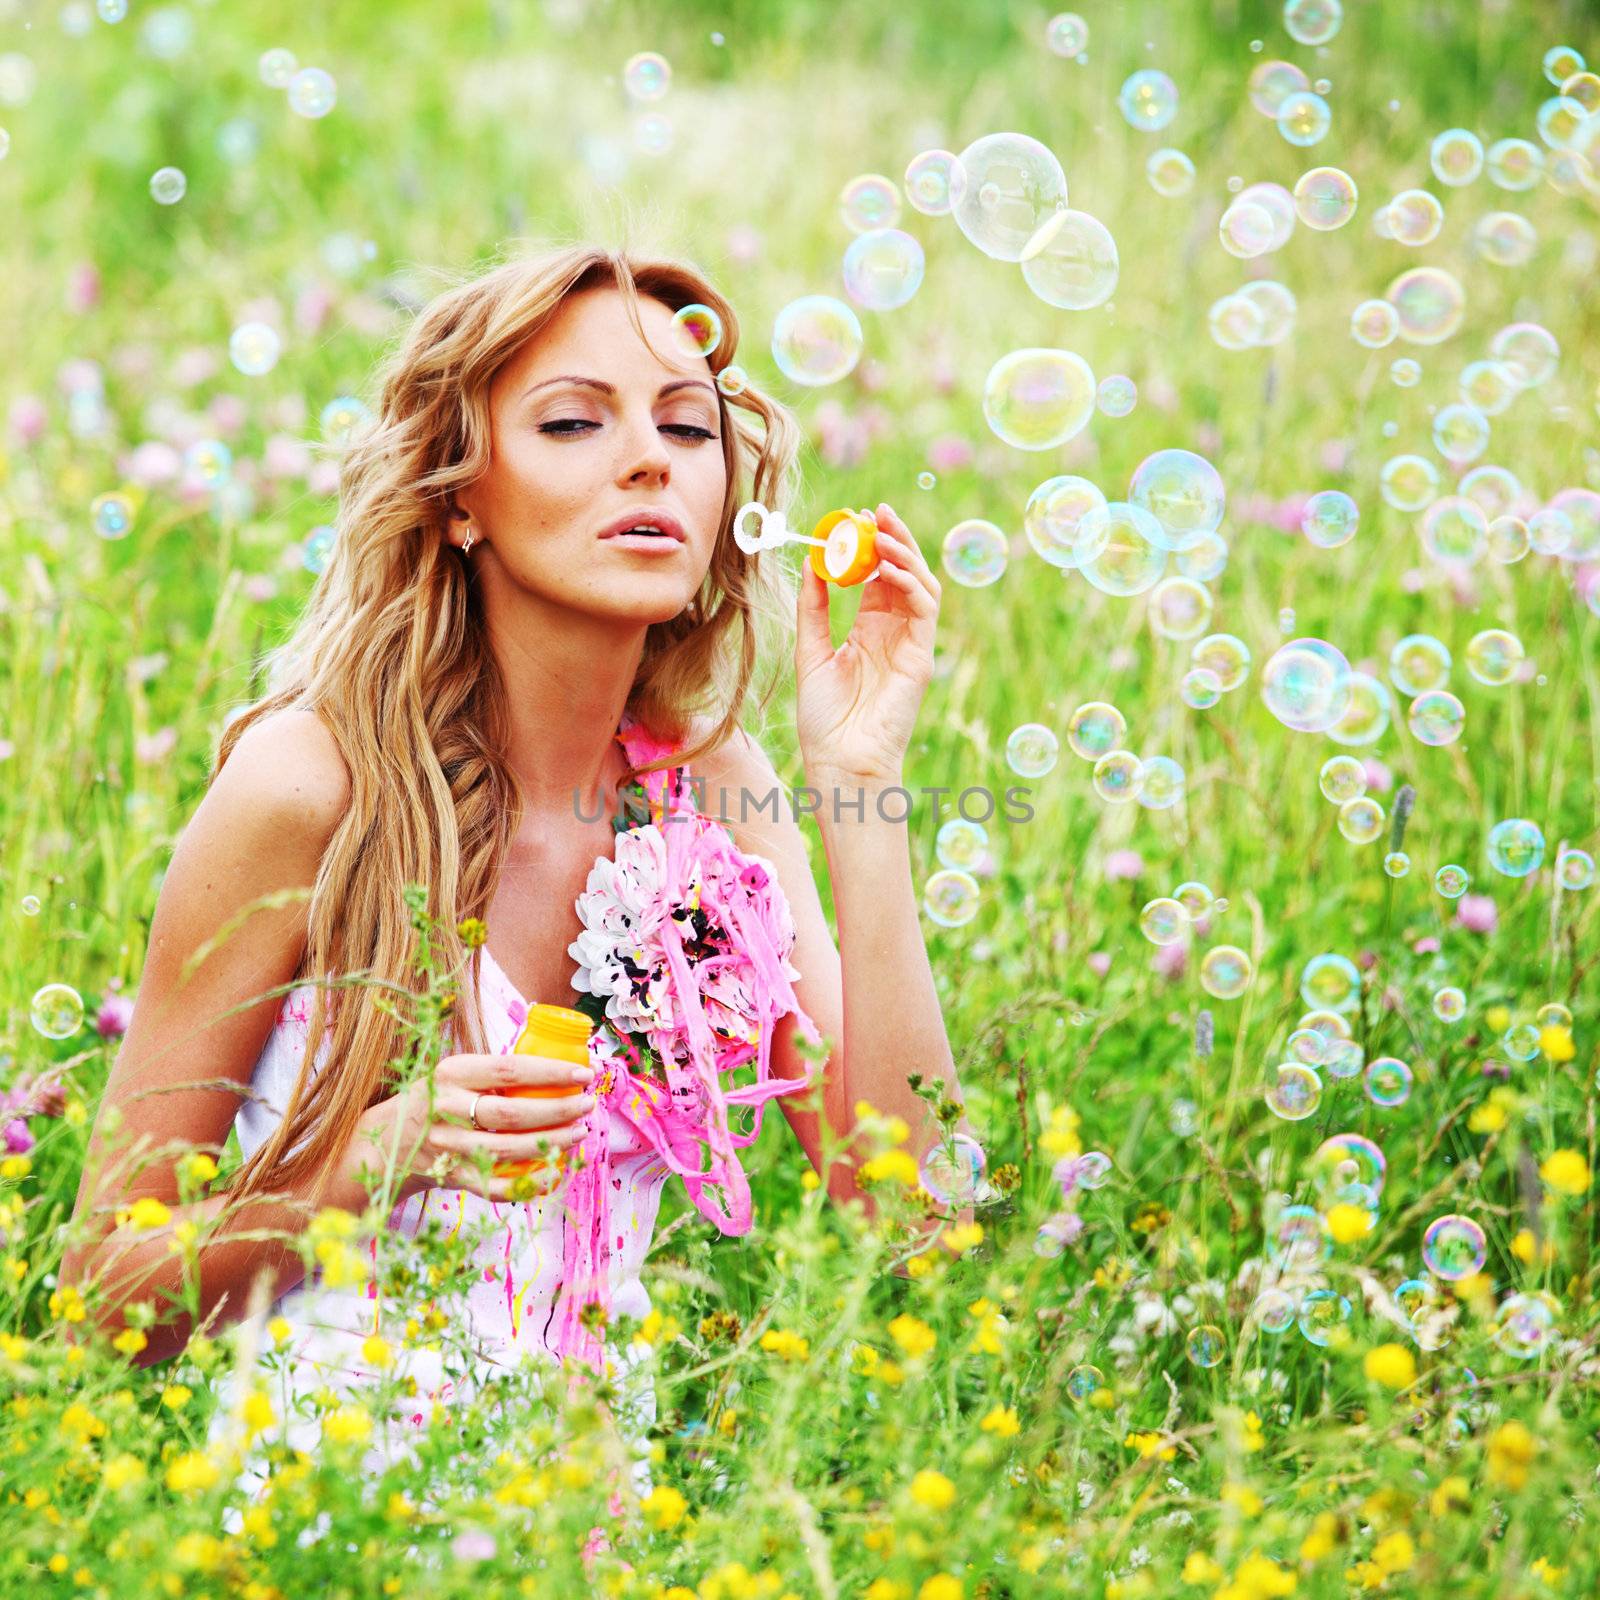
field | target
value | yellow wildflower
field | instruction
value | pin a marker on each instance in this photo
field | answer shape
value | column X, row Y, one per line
column 15, row 1166
column 1453, row 1494
column 257, row 1412
column 894, row 1166
column 1347, row 1223
column 130, row 1341
column 1498, row 1018
column 1511, row 1453
column 81, row 1424
column 1566, row 1172
column 1259, row 1578
column 1149, row 1444
column 1323, row 1539
column 1244, row 1497
column 1393, row 1553
column 664, row 1506
column 176, row 1396
column 1490, row 1117
column 1003, row 1421
column 375, row 1351
column 1251, row 1438
column 941, row 1586
column 146, row 1212
column 1556, row 1042
column 1200, row 1570
column 1545, row 1571
column 913, row 1335
column 191, row 1472
column 933, row 1490
column 1061, row 1137
column 786, row 1346
column 350, row 1424
column 1392, row 1365
column 200, row 1166
column 962, row 1237
column 121, row 1471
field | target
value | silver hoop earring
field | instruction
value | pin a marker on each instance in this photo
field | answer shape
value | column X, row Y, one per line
column 466, row 544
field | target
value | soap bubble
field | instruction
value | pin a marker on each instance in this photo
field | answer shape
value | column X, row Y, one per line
column 1396, row 864
column 950, row 897
column 950, row 1171
column 1164, row 921
column 1196, row 899
column 1553, row 1015
column 1560, row 62
column 1454, row 530
column 1200, row 689
column 1206, row 560
column 1449, row 1003
column 1436, row 718
column 1574, row 869
column 1325, row 198
column 1236, row 323
column 1084, row 1381
column 1031, row 750
column 1404, row 372
column 1071, row 261
column 1451, row 881
column 1550, row 531
column 1036, row 399
column 1164, row 783
column 276, row 67
column 1296, row 1092
column 168, row 186
column 1067, row 35
column 1096, row 728
column 1516, row 847
column 1324, row 1314
column 56, row 1011
column 1460, row 434
column 883, row 269
column 1408, row 483
column 1454, row 1247
column 112, row 514
column 1505, row 239
column 1330, row 982
column 1296, row 1241
column 1456, row 156
column 1529, row 350
column 1171, row 172
column 1245, row 229
column 1131, row 555
column 1489, row 387
column 1312, row 21
column 1118, row 776
column 961, row 843
column 935, row 182
column 697, row 328
column 1226, row 656
column 1056, row 520
column 1521, row 1042
column 1274, row 1310
column 1148, row 100
column 1388, row 1082
column 1275, row 306
column 1419, row 662
column 1183, row 492
column 1304, row 118
column 1361, row 820
column 1329, row 519
column 1515, row 164
column 646, row 76
column 1374, row 324
column 1272, row 83
column 1180, row 608
column 343, row 417
column 1225, row 972
column 974, row 553
column 253, row 348
column 1306, row 685
column 312, row 93
column 1342, row 778
column 1524, row 1325
column 1013, row 185
column 1429, row 302
column 869, row 202
column 1371, row 1166
column 733, row 379
column 1205, row 1345
column 1581, row 507
column 816, row 340
column 1116, row 395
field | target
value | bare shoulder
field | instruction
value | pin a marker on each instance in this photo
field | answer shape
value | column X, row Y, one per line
column 292, row 766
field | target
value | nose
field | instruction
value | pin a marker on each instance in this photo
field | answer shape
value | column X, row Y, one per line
column 645, row 460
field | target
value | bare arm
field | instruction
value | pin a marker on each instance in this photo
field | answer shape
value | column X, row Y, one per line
column 259, row 833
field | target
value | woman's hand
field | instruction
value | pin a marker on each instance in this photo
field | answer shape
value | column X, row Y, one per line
column 856, row 706
column 435, row 1147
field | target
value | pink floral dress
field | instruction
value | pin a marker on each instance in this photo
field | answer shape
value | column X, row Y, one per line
column 684, row 956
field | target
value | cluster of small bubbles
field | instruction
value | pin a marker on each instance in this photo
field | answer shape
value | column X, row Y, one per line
column 1225, row 656
column 883, row 269
column 1095, row 729
column 951, row 1171
column 1013, row 185
column 111, row 515
column 1116, row 395
column 1274, row 1310
column 974, row 553
column 1306, row 685
column 1574, row 869
column 1170, row 171
column 935, row 181
column 1515, row 847
column 1374, row 324
column 1031, row 750
column 1454, row 1247
column 961, row 843
column 1304, row 118
column 168, row 185
column 1451, row 881
column 254, row 348
column 1067, row 34
column 1084, row 1381
column 1342, row 778
column 1414, row 217
column 1449, row 1003
column 646, row 76
column 1205, row 1345
column 1071, row 262
column 1118, row 776
column 316, row 549
column 1387, row 1082
column 1132, row 549
column 950, row 897
column 1200, row 688
column 1330, row 519
column 1225, row 972
column 1361, row 820
column 816, row 340
column 1436, row 718
column 1057, row 524
column 1324, row 1314
column 1180, row 608
column 56, row 1011
column 1148, row 100
column 1405, row 372
column 1460, row 433
column 1036, row 399
column 1325, row 198
column 312, row 93
column 1524, row 1325
column 1163, row 784
column 1515, row 164
column 1396, row 864
column 697, row 329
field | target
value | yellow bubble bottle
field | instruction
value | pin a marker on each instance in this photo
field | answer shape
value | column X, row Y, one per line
column 844, row 547
column 560, row 1034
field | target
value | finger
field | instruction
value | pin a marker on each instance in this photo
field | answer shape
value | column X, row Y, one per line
column 510, row 1071
column 522, row 1146
column 508, row 1113
column 900, row 538
column 921, row 603
column 813, row 644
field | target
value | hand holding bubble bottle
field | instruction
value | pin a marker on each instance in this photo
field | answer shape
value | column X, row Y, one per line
column 843, row 543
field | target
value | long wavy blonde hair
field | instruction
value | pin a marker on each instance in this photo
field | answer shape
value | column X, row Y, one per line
column 392, row 653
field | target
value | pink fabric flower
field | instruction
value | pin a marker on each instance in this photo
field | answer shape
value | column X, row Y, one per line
column 1121, row 864
column 116, row 1012
column 1477, row 913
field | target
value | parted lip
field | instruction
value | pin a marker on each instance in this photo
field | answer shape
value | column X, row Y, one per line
column 662, row 519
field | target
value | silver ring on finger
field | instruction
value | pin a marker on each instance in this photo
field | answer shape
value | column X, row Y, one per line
column 472, row 1115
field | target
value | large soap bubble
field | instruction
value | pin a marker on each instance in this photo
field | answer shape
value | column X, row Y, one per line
column 1132, row 555
column 1037, row 399
column 1183, row 492
column 1071, row 261
column 1306, row 685
column 1013, row 185
column 816, row 340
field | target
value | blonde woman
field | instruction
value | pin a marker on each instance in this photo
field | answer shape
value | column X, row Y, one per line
column 459, row 707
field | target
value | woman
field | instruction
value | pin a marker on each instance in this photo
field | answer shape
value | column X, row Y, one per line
column 486, row 662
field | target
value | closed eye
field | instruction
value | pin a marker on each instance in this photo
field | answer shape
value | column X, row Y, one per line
column 568, row 427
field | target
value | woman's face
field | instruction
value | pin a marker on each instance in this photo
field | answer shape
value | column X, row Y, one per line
column 591, row 427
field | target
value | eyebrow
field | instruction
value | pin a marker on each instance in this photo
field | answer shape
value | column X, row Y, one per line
column 611, row 388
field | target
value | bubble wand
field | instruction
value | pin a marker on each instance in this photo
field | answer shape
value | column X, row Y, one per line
column 844, row 544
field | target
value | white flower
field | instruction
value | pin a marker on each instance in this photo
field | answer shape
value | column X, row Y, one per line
column 618, row 953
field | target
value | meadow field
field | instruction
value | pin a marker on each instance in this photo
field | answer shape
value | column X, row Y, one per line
column 1278, row 1014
